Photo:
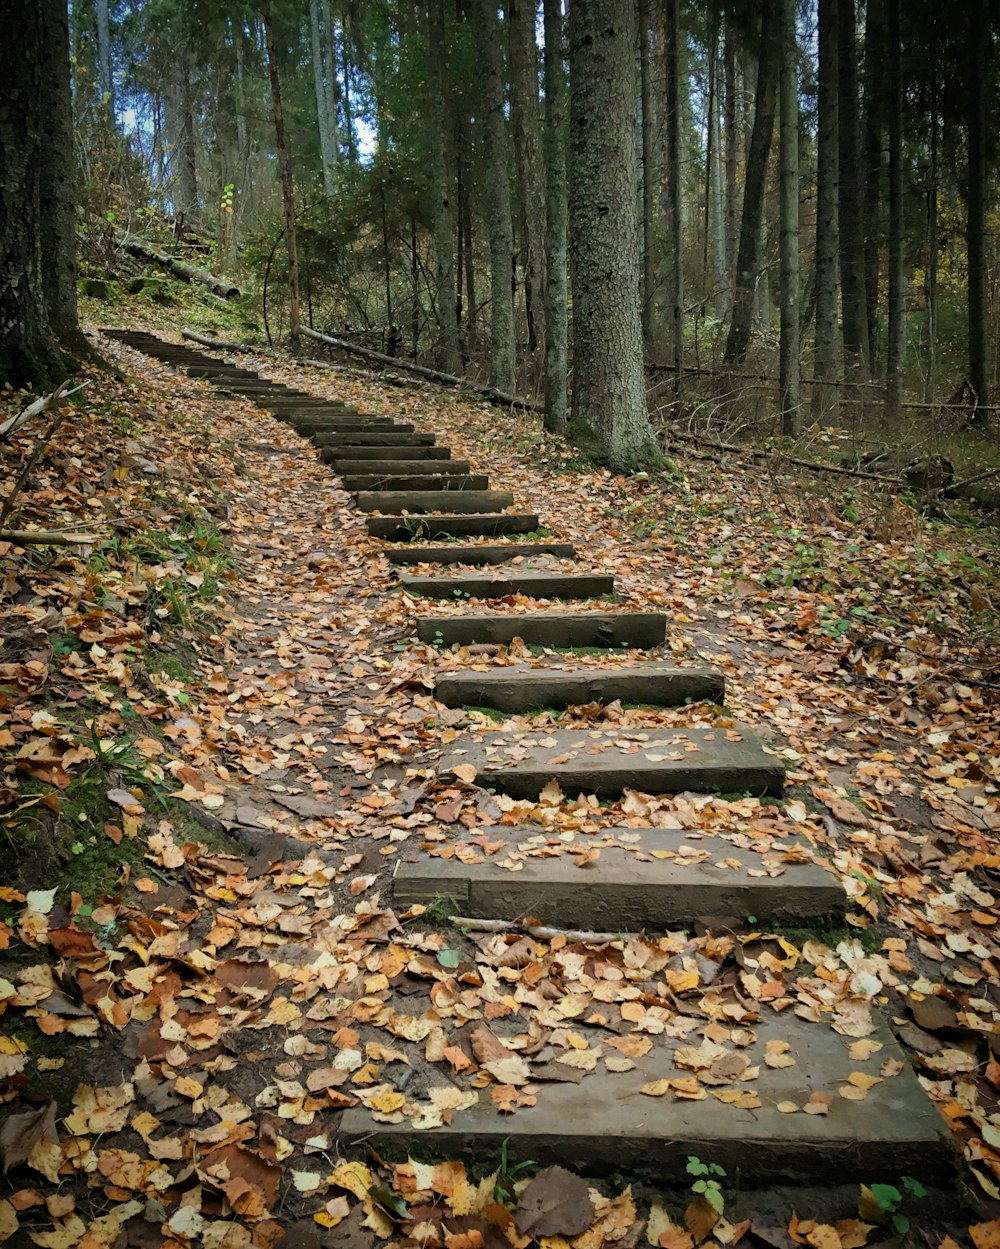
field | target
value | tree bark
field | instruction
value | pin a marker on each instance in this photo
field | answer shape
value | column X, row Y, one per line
column 876, row 53
column 556, row 284
column 931, row 271
column 525, row 113
column 287, row 189
column 852, row 234
column 105, row 76
column 896, row 347
column 185, row 170
column 649, row 176
column 28, row 351
column 975, row 242
column 731, row 135
column 502, row 358
column 442, row 185
column 789, row 240
column 609, row 395
column 675, row 219
column 326, row 154
column 826, row 400
column 748, row 261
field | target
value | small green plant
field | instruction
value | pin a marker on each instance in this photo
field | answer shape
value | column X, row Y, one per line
column 890, row 1199
column 507, row 1173
column 706, row 1181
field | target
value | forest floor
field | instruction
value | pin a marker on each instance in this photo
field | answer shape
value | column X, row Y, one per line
column 219, row 738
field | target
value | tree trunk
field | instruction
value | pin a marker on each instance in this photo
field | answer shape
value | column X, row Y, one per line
column 58, row 188
column 648, row 182
column 876, row 53
column 897, row 273
column 789, row 241
column 609, row 394
column 414, row 289
column 826, row 401
column 675, row 221
column 29, row 355
column 442, row 185
column 975, row 241
column 931, row 271
column 525, row 112
column 287, row 189
column 556, row 286
column 351, row 137
column 852, row 234
column 748, row 261
column 328, row 47
column 186, row 169
column 327, row 158
column 502, row 359
column 732, row 157
column 105, row 76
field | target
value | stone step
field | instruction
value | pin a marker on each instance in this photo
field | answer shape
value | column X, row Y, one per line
column 334, row 442
column 606, row 1124
column 390, row 529
column 609, row 631
column 694, row 876
column 605, row 763
column 445, row 480
column 520, row 686
column 502, row 553
column 534, row 584
column 395, row 502
column 400, row 467
column 380, row 457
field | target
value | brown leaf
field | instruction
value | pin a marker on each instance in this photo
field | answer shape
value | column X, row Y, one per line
column 555, row 1203
column 19, row 1134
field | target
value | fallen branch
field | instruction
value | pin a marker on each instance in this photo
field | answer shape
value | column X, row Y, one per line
column 48, row 537
column 753, row 454
column 969, row 481
column 431, row 375
column 215, row 343
column 532, row 930
column 14, row 423
column 187, row 273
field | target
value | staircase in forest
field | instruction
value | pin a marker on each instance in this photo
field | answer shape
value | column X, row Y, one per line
column 413, row 493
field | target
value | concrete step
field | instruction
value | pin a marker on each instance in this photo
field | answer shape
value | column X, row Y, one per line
column 381, row 457
column 400, row 467
column 444, row 526
column 650, row 878
column 653, row 761
column 520, row 686
column 395, row 502
column 334, row 442
column 606, row 1124
column 444, row 480
column 534, row 584
column 609, row 631
column 502, row 553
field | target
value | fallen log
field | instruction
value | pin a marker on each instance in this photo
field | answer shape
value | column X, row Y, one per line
column 432, row 375
column 152, row 255
column 217, row 344
column 48, row 537
column 751, row 453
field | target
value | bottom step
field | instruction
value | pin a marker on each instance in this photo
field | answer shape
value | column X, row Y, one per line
column 626, row 888
column 607, row 1124
column 397, row 529
column 503, row 553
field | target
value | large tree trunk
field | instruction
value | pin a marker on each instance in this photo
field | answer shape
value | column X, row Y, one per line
column 105, row 76
column 976, row 222
column 876, row 53
column 931, row 271
column 789, row 241
column 748, row 262
column 442, row 186
column 556, row 285
column 29, row 355
column 502, row 359
column 852, row 234
column 896, row 347
column 326, row 153
column 825, row 393
column 58, row 182
column 649, row 175
column 675, row 220
column 609, row 394
column 525, row 113
column 287, row 189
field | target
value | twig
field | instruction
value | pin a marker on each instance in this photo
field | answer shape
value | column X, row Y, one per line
column 15, row 422
column 39, row 447
column 674, row 435
column 48, row 537
column 531, row 930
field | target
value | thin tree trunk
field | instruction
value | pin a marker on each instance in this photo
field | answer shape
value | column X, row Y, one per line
column 105, row 76
column 648, row 182
column 328, row 48
column 789, row 241
column 186, row 172
column 414, row 289
column 609, row 393
column 852, row 267
column 442, row 184
column 875, row 68
column 386, row 266
column 931, row 279
column 525, row 111
column 502, row 358
column 471, row 329
column 556, row 285
column 732, row 158
column 287, row 189
column 826, row 401
column 675, row 219
column 978, row 11
column 716, row 206
column 327, row 159
column 748, row 262
column 351, row 137
column 897, row 273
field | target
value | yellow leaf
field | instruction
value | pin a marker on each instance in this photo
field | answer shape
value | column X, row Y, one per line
column 354, row 1176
